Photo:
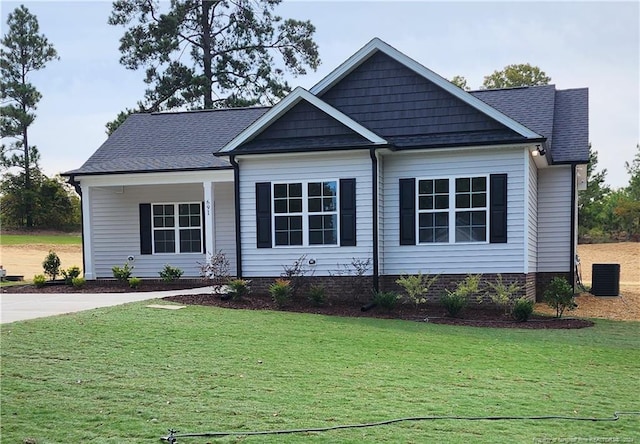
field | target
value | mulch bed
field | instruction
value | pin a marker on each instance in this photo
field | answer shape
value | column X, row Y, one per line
column 472, row 316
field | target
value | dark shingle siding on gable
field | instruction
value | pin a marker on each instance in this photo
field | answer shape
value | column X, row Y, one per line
column 392, row 100
column 571, row 126
column 170, row 141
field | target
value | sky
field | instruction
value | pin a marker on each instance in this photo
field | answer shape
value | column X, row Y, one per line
column 578, row 44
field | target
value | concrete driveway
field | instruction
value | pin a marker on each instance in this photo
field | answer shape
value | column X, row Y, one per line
column 22, row 306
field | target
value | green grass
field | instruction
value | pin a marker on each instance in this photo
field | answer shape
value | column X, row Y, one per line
column 42, row 239
column 129, row 373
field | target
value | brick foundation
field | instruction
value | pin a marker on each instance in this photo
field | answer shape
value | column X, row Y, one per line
column 543, row 280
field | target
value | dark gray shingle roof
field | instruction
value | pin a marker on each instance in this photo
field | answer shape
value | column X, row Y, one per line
column 170, row 141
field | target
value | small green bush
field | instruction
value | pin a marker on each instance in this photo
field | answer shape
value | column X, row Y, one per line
column 70, row 274
column 453, row 302
column 51, row 265
column 239, row 288
column 134, row 282
column 502, row 294
column 170, row 274
column 417, row 286
column 317, row 295
column 281, row 291
column 522, row 309
column 386, row 299
column 39, row 280
column 78, row 282
column 559, row 295
column 122, row 274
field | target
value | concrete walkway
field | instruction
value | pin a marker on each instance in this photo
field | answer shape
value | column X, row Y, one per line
column 22, row 306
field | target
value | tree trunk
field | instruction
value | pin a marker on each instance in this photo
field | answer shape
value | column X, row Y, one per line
column 206, row 50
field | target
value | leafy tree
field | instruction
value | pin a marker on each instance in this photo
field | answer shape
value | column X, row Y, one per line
column 516, row 75
column 23, row 51
column 203, row 54
column 633, row 169
column 460, row 82
column 592, row 201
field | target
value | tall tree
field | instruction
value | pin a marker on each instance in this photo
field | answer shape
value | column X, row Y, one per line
column 460, row 82
column 203, row 54
column 591, row 202
column 516, row 75
column 23, row 51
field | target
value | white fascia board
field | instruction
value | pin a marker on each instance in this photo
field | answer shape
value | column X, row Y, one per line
column 162, row 178
column 285, row 105
column 378, row 45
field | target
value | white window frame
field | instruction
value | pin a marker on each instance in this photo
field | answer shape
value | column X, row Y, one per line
column 452, row 210
column 176, row 227
column 305, row 213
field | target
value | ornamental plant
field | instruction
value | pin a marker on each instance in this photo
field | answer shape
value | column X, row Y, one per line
column 501, row 294
column 51, row 265
column 522, row 309
column 239, row 288
column 122, row 274
column 281, row 291
column 70, row 274
column 170, row 274
column 386, row 299
column 559, row 295
column 417, row 286
column 39, row 280
column 455, row 301
column 134, row 282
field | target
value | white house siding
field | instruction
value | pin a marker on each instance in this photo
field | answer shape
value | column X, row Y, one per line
column 267, row 262
column 455, row 258
column 532, row 246
column 554, row 219
column 225, row 228
column 115, row 227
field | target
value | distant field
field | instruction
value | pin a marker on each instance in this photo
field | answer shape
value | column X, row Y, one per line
column 40, row 239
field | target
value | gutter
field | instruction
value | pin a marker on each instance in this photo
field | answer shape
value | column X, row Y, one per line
column 374, row 186
column 236, row 196
column 76, row 185
column 572, row 258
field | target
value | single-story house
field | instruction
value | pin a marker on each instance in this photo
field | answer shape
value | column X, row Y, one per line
column 382, row 161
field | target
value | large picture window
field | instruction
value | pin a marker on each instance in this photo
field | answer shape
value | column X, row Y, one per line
column 305, row 213
column 177, row 227
column 445, row 203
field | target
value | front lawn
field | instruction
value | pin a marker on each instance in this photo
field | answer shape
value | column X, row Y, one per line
column 129, row 373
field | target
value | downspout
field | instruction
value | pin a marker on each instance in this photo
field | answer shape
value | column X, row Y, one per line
column 374, row 185
column 572, row 259
column 236, row 196
column 76, row 185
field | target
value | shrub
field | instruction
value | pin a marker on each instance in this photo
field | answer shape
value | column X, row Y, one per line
column 51, row 265
column 522, row 309
column 122, row 274
column 170, row 274
column 316, row 295
column 453, row 302
column 238, row 288
column 295, row 274
column 39, row 280
column 78, row 282
column 501, row 294
column 280, row 291
column 385, row 299
column 70, row 274
column 354, row 274
column 216, row 270
column 417, row 286
column 559, row 295
column 134, row 282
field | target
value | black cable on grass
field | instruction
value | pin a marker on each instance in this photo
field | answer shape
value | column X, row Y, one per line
column 173, row 434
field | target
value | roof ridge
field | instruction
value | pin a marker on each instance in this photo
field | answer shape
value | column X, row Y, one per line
column 195, row 111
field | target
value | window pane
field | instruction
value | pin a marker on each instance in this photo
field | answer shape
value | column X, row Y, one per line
column 190, row 241
column 195, row 221
column 183, row 221
column 478, row 218
column 296, row 238
column 442, row 234
column 330, row 237
column 295, row 205
column 463, row 234
column 442, row 219
column 295, row 222
column 282, row 238
column 479, row 183
column 330, row 222
column 183, row 209
column 280, row 206
column 463, row 218
column 169, row 222
column 295, row 190
column 442, row 202
column 462, row 201
column 479, row 200
column 315, row 237
column 329, row 204
column 158, row 210
column 425, row 235
column 315, row 189
column 425, row 187
column 279, row 191
column 479, row 234
column 463, row 185
column 282, row 223
column 442, row 186
column 164, row 241
column 330, row 188
column 195, row 208
column 425, row 202
column 315, row 222
column 425, row 220
column 315, row 205
column 168, row 210
column 158, row 222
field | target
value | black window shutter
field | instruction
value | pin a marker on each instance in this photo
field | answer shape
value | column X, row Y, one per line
column 145, row 229
column 263, row 214
column 407, row 211
column 204, row 239
column 347, row 212
column 498, row 209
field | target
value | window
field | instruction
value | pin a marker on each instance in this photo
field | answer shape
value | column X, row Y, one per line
column 465, row 209
column 177, row 228
column 305, row 213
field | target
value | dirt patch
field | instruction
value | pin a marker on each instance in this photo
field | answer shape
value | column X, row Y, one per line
column 26, row 260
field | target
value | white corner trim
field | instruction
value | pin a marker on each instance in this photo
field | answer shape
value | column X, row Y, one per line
column 289, row 102
column 378, row 45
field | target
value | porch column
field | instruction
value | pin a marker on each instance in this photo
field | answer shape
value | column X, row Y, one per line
column 209, row 219
column 87, row 256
